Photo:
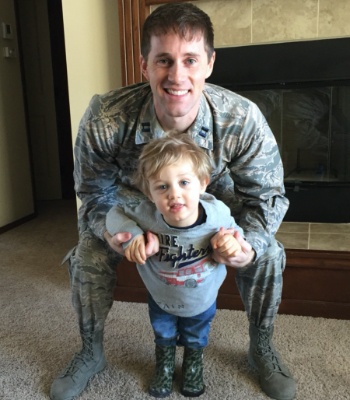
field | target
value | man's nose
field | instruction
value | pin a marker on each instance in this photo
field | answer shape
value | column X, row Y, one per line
column 176, row 72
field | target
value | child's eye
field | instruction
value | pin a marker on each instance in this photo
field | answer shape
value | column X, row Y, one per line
column 185, row 183
column 162, row 187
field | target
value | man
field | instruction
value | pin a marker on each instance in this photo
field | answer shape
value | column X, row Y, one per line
column 177, row 56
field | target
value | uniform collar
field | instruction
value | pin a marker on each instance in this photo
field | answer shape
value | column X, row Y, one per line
column 201, row 130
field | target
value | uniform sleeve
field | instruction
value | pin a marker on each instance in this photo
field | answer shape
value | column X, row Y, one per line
column 118, row 221
column 257, row 171
column 96, row 172
column 225, row 211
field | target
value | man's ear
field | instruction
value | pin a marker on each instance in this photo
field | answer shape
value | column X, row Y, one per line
column 210, row 65
column 143, row 65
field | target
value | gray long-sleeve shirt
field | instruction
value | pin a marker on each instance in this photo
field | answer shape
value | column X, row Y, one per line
column 247, row 175
column 182, row 277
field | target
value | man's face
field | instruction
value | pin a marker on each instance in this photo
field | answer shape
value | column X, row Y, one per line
column 176, row 70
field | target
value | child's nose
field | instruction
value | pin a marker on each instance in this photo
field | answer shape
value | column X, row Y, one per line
column 174, row 192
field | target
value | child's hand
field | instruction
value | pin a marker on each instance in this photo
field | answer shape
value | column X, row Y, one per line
column 226, row 244
column 240, row 258
column 136, row 250
column 152, row 246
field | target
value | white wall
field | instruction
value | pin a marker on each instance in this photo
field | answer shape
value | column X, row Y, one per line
column 92, row 52
column 16, row 192
column 93, row 64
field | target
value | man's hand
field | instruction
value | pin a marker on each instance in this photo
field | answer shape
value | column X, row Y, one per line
column 115, row 242
column 225, row 252
column 144, row 251
column 139, row 250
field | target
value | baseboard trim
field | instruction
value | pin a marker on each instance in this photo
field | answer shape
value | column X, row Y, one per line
column 19, row 222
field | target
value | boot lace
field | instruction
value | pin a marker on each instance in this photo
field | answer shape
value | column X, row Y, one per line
column 80, row 359
column 267, row 352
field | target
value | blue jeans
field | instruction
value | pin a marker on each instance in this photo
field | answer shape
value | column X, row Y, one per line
column 171, row 330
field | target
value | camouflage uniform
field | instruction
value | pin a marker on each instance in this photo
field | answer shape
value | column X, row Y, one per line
column 247, row 176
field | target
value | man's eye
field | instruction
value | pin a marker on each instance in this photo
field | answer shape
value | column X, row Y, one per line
column 163, row 61
column 191, row 61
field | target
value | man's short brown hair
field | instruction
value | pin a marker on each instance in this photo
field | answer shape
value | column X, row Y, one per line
column 185, row 19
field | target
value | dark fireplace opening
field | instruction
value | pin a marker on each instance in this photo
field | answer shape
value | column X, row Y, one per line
column 303, row 89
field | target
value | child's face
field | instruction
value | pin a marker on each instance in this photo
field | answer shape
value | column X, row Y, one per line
column 176, row 192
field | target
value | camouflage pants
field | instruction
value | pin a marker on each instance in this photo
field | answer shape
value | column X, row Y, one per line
column 92, row 267
column 92, row 270
column 260, row 285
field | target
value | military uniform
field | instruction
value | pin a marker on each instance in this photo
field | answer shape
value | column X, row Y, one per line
column 247, row 176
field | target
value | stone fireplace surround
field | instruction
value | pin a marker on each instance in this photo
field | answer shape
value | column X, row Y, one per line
column 315, row 281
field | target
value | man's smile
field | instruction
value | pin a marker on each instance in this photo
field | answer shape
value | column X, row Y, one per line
column 177, row 92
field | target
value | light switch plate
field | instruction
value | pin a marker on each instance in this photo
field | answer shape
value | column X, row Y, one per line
column 6, row 31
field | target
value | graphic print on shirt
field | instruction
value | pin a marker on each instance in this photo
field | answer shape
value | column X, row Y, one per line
column 189, row 266
column 189, row 276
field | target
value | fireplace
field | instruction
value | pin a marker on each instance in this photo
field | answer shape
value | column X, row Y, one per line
column 303, row 89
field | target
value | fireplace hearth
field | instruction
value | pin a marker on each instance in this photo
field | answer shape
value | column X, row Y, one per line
column 303, row 89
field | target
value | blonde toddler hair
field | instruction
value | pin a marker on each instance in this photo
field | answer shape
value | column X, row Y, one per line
column 168, row 150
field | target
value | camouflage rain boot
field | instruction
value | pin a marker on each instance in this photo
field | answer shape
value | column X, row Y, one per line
column 162, row 382
column 84, row 365
column 275, row 379
column 192, row 373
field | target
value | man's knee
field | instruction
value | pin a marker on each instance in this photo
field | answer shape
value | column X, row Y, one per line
column 92, row 258
column 273, row 261
column 274, row 258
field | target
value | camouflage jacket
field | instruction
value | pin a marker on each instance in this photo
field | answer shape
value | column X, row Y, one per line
column 247, row 175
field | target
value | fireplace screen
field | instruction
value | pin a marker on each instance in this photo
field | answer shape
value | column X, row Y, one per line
column 312, row 129
column 303, row 89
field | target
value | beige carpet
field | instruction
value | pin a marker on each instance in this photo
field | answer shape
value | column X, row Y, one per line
column 38, row 333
